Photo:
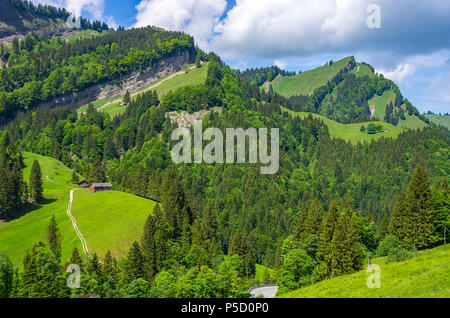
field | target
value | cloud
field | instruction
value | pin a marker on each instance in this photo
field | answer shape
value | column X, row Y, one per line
column 280, row 64
column 196, row 17
column 414, row 63
column 283, row 28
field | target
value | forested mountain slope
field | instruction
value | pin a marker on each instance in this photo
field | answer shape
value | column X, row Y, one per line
column 345, row 91
column 18, row 18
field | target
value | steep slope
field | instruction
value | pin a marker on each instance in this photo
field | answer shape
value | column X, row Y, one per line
column 17, row 18
column 347, row 92
column 306, row 82
column 427, row 275
column 440, row 120
column 110, row 220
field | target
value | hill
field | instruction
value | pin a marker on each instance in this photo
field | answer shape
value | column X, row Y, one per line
column 347, row 92
column 189, row 75
column 18, row 18
column 351, row 132
column 111, row 220
column 306, row 82
column 440, row 120
column 424, row 276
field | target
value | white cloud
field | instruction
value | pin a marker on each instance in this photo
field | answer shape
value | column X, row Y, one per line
column 414, row 63
column 280, row 64
column 196, row 17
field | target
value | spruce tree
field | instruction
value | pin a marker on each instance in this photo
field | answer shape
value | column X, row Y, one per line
column 126, row 98
column 75, row 179
column 75, row 258
column 149, row 248
column 324, row 244
column 36, row 182
column 54, row 238
column 345, row 246
column 134, row 265
column 96, row 173
column 109, row 267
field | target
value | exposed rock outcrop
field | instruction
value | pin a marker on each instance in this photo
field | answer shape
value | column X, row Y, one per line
column 133, row 82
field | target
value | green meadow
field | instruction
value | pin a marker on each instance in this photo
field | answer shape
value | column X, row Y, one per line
column 108, row 220
column 380, row 103
column 426, row 276
column 305, row 83
column 351, row 132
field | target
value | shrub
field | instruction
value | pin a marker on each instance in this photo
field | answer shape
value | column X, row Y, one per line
column 398, row 254
column 387, row 245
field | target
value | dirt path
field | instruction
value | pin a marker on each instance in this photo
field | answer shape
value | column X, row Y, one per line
column 145, row 89
column 74, row 223
column 372, row 111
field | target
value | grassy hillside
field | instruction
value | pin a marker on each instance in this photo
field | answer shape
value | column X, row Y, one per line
column 305, row 83
column 107, row 220
column 423, row 276
column 439, row 120
column 192, row 76
column 110, row 220
column 379, row 103
column 351, row 132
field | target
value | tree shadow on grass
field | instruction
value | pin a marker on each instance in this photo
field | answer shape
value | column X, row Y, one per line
column 27, row 208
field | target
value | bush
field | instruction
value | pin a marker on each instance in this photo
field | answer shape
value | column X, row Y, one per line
column 387, row 245
column 398, row 254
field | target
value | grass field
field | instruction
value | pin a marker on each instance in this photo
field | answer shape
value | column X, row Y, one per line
column 351, row 132
column 191, row 77
column 440, row 120
column 412, row 122
column 305, row 83
column 362, row 70
column 111, row 220
column 424, row 276
column 380, row 103
column 260, row 271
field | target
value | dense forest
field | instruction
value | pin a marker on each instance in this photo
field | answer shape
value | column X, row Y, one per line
column 40, row 68
column 331, row 205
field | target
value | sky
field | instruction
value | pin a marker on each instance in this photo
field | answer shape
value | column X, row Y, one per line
column 408, row 41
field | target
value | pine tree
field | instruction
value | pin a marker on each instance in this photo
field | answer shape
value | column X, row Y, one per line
column 126, row 98
column 134, row 265
column 412, row 219
column 54, row 238
column 36, row 182
column 96, row 174
column 75, row 179
column 149, row 248
column 383, row 229
column 109, row 267
column 324, row 244
column 197, row 61
column 76, row 258
column 345, row 246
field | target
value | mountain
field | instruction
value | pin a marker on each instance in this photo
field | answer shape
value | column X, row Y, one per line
column 18, row 18
column 345, row 91
column 106, row 106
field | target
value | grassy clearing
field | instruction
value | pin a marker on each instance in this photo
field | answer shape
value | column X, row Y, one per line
column 412, row 122
column 439, row 120
column 398, row 280
column 351, row 132
column 109, row 220
column 260, row 272
column 306, row 82
column 19, row 235
column 380, row 103
column 362, row 70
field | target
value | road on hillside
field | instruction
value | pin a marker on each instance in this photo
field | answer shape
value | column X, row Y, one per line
column 74, row 224
column 268, row 291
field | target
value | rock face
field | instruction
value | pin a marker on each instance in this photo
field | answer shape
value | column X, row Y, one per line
column 133, row 82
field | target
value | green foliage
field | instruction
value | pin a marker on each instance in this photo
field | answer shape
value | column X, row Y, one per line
column 388, row 245
column 54, row 238
column 6, row 276
column 297, row 271
column 398, row 254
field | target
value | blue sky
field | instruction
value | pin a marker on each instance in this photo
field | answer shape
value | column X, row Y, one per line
column 411, row 45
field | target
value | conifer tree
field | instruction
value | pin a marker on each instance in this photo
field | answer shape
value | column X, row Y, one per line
column 109, row 267
column 149, row 248
column 54, row 238
column 324, row 244
column 36, row 182
column 345, row 246
column 75, row 179
column 134, row 265
column 96, row 174
column 75, row 258
column 126, row 98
